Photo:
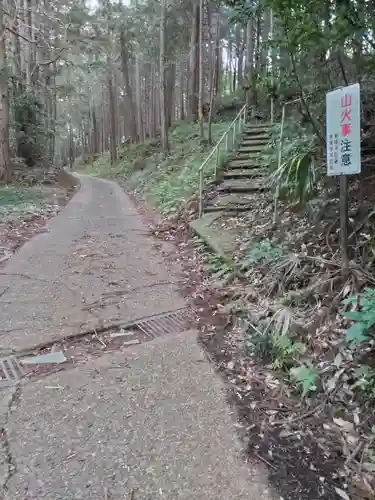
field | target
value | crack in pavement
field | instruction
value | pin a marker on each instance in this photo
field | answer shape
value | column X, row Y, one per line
column 11, row 467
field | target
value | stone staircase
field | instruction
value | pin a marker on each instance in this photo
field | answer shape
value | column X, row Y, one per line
column 236, row 190
column 242, row 176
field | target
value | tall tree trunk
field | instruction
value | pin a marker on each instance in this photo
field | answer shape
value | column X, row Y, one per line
column 5, row 167
column 218, row 55
column 71, row 145
column 30, row 46
column 265, row 35
column 249, row 59
column 240, row 50
column 194, row 65
column 182, row 89
column 112, row 115
column 170, row 89
column 256, row 73
column 53, row 114
column 201, row 70
column 152, row 103
column 128, row 89
column 163, row 117
column 138, row 96
column 230, row 66
column 96, row 138
column 212, row 100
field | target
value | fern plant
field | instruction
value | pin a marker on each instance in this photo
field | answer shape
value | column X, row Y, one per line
column 276, row 348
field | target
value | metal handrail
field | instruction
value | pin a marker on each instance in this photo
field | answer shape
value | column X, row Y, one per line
column 241, row 119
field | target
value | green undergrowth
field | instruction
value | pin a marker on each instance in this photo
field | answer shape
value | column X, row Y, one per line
column 277, row 343
column 16, row 200
column 167, row 181
column 274, row 340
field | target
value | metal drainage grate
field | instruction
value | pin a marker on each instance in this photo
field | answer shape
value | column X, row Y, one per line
column 163, row 324
column 10, row 371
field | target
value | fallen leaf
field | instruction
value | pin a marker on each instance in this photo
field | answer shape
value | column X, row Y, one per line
column 342, row 494
column 366, row 489
column 344, row 424
column 338, row 360
column 369, row 467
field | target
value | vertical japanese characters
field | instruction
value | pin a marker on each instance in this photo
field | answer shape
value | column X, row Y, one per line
column 346, row 130
column 343, row 131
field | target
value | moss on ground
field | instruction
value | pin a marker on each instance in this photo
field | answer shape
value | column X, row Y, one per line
column 16, row 200
column 169, row 182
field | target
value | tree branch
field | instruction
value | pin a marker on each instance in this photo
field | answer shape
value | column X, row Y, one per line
column 21, row 36
column 54, row 59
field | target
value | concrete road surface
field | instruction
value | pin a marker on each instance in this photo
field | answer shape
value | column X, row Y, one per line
column 146, row 422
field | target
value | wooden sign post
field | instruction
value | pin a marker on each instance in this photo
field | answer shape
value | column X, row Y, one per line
column 343, row 120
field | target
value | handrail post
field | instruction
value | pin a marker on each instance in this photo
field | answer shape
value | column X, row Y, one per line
column 217, row 159
column 277, row 192
column 200, row 192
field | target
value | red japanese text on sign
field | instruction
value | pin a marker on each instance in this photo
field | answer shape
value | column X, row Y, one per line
column 346, row 101
column 346, row 119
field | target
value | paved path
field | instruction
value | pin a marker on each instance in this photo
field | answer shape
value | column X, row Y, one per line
column 147, row 423
column 96, row 245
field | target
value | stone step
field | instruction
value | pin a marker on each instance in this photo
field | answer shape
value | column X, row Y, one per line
column 242, row 186
column 254, row 142
column 256, row 148
column 252, row 147
column 258, row 135
column 244, row 163
column 250, row 154
column 222, row 243
column 251, row 158
column 248, row 136
column 251, row 131
column 231, row 203
column 258, row 125
column 248, row 173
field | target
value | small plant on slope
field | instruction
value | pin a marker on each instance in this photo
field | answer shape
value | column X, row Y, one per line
column 276, row 348
column 218, row 269
column 261, row 252
column 365, row 381
column 306, row 376
column 362, row 328
column 295, row 176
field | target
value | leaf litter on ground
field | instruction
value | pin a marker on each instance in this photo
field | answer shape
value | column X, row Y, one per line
column 24, row 212
column 317, row 446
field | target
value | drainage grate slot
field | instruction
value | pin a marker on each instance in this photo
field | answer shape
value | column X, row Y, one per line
column 10, row 371
column 173, row 322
